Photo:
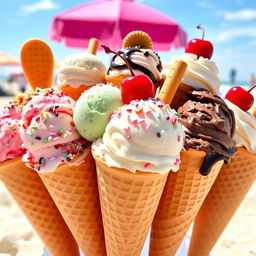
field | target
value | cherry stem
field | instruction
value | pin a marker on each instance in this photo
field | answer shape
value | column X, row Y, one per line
column 108, row 50
column 202, row 28
column 252, row 88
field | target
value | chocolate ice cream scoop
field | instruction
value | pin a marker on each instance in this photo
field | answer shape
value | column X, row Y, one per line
column 210, row 126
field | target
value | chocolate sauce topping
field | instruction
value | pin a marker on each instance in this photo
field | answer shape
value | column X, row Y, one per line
column 127, row 52
column 210, row 126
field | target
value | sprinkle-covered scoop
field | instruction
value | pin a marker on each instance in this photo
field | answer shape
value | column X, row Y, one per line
column 143, row 135
column 49, row 134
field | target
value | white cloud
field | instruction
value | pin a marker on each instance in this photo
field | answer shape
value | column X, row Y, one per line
column 42, row 5
column 245, row 14
column 230, row 34
column 205, row 4
column 252, row 43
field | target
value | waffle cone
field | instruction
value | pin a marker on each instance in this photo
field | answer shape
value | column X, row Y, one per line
column 115, row 80
column 128, row 202
column 182, row 197
column 34, row 200
column 181, row 96
column 74, row 190
column 75, row 93
column 225, row 196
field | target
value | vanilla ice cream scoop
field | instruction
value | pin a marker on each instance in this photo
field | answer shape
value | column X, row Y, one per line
column 201, row 73
column 245, row 132
column 81, row 69
column 143, row 135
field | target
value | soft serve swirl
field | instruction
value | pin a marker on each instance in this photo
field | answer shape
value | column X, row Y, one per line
column 245, row 133
column 81, row 69
column 142, row 61
column 201, row 73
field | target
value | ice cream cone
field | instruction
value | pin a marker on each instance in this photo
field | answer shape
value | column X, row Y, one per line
column 34, row 200
column 128, row 202
column 81, row 71
column 75, row 93
column 225, row 196
column 115, row 80
column 182, row 197
column 75, row 192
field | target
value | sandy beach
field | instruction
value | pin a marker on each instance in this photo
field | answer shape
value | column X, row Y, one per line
column 239, row 237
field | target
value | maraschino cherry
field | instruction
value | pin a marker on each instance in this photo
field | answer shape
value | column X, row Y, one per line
column 240, row 97
column 136, row 87
column 200, row 47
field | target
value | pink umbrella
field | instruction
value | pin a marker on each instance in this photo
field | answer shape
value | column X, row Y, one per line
column 110, row 21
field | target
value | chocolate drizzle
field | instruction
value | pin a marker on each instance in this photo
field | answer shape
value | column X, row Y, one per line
column 127, row 52
column 210, row 126
column 210, row 161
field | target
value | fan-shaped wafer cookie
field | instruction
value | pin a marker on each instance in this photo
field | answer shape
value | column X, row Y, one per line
column 37, row 62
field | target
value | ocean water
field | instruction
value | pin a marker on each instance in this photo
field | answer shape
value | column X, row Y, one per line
column 225, row 83
column 225, row 86
column 3, row 78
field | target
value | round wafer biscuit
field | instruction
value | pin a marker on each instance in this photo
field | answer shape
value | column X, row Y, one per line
column 37, row 63
column 138, row 38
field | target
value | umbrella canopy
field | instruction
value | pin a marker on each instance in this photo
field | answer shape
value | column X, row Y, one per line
column 7, row 60
column 111, row 20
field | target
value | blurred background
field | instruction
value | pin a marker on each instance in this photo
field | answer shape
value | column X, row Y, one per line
column 229, row 25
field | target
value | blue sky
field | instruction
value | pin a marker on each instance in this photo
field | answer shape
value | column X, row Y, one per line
column 230, row 25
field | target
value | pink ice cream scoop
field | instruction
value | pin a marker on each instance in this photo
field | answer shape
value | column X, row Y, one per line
column 10, row 140
column 10, row 120
column 49, row 134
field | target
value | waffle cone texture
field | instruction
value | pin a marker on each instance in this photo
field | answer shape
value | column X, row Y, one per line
column 37, row 63
column 182, row 198
column 128, row 202
column 29, row 192
column 74, row 190
column 227, row 193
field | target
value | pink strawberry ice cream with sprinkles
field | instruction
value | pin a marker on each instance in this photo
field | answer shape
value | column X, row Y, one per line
column 49, row 134
column 143, row 135
column 10, row 116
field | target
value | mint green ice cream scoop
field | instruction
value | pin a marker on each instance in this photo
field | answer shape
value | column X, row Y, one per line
column 94, row 108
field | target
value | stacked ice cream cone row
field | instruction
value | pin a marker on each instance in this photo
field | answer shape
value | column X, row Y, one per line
column 98, row 161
